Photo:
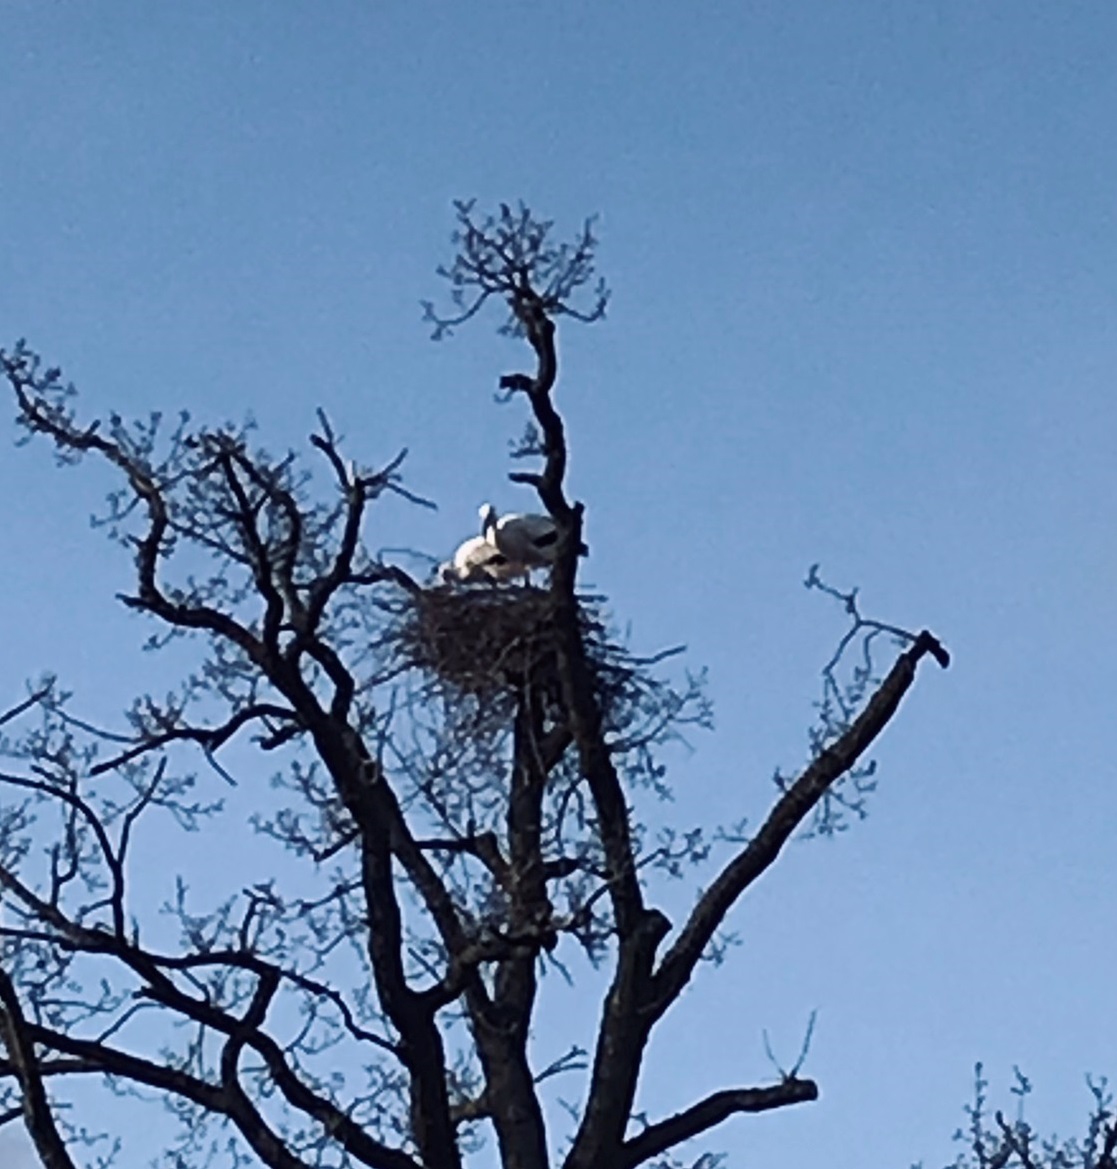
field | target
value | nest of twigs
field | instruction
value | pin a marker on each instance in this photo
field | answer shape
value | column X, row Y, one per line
column 483, row 639
column 479, row 650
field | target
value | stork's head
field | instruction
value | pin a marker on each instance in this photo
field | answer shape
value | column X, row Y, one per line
column 488, row 518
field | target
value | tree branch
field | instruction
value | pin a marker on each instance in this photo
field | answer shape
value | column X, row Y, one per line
column 666, row 1134
column 789, row 812
column 37, row 1115
column 33, row 699
column 209, row 737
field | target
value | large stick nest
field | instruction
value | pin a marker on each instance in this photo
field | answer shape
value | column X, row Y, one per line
column 479, row 649
column 485, row 640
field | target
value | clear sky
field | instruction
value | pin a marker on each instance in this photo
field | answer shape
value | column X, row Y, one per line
column 864, row 260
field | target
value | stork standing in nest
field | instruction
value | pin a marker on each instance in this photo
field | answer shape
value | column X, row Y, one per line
column 530, row 540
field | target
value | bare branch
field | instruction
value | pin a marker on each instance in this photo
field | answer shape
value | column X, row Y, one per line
column 511, row 254
column 37, row 1114
column 210, row 738
column 33, row 699
column 666, row 1134
column 789, row 812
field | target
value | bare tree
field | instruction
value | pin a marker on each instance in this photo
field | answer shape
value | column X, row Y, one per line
column 459, row 773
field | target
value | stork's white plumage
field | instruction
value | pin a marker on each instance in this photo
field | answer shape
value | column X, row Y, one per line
column 477, row 559
column 531, row 540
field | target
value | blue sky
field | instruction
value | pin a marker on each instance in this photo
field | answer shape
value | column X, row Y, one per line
column 863, row 264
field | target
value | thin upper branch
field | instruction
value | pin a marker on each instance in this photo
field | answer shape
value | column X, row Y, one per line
column 789, row 812
column 39, row 414
column 33, row 699
column 246, row 518
column 113, row 857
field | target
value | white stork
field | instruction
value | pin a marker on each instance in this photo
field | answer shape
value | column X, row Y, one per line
column 530, row 540
column 479, row 560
